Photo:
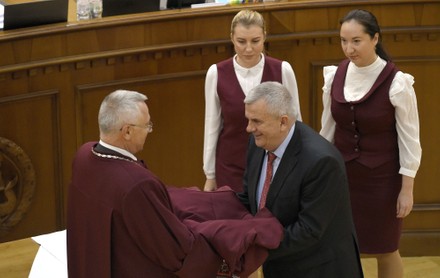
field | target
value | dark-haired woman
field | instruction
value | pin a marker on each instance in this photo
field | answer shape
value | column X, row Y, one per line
column 370, row 114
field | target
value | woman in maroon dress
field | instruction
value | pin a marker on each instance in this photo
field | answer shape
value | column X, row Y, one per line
column 227, row 83
column 370, row 114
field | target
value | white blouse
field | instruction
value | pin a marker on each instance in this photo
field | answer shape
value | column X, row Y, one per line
column 248, row 79
column 402, row 96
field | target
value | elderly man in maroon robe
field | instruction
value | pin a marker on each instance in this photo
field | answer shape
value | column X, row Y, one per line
column 122, row 221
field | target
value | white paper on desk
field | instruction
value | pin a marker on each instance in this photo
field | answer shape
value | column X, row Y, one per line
column 51, row 258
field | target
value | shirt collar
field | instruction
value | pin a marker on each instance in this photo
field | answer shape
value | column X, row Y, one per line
column 279, row 152
column 255, row 69
column 119, row 150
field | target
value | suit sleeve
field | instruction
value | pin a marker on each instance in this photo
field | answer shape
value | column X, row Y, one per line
column 244, row 196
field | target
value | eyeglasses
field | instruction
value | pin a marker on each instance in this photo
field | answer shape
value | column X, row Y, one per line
column 149, row 126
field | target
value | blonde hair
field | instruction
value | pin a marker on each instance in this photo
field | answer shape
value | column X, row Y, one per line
column 248, row 18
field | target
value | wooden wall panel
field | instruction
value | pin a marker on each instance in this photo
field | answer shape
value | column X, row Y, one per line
column 53, row 78
column 175, row 146
column 32, row 122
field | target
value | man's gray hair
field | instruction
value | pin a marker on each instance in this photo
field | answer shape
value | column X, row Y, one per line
column 119, row 108
column 278, row 99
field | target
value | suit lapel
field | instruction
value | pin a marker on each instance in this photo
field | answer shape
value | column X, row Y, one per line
column 287, row 164
column 254, row 175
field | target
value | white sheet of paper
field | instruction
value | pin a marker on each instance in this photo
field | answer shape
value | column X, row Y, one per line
column 51, row 258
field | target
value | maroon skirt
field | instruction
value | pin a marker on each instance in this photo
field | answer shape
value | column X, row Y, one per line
column 373, row 194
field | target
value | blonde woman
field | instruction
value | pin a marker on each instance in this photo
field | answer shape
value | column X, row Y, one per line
column 226, row 85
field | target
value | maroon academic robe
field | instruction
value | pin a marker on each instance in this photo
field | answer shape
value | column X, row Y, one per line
column 121, row 222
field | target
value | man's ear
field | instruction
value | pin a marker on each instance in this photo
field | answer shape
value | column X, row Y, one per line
column 284, row 123
column 126, row 132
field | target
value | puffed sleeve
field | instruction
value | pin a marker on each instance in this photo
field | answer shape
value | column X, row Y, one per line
column 289, row 81
column 403, row 98
column 327, row 122
column 213, row 122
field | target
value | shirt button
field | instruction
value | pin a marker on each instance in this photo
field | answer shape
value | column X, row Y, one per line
column 356, row 149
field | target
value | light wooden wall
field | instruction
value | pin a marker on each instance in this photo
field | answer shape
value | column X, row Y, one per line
column 53, row 78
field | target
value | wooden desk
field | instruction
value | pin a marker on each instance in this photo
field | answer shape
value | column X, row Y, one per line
column 16, row 257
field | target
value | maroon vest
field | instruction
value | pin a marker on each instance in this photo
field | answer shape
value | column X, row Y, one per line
column 365, row 129
column 233, row 138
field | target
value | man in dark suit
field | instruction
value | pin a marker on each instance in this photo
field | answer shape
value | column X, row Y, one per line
column 307, row 190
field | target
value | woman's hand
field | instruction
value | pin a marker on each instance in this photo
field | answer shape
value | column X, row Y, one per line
column 210, row 185
column 405, row 201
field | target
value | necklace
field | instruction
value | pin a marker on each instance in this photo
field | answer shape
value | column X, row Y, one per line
column 111, row 156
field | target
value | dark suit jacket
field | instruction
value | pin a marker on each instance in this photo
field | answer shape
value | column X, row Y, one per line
column 309, row 196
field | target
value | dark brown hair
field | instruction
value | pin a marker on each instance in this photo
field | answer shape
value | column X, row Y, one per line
column 371, row 27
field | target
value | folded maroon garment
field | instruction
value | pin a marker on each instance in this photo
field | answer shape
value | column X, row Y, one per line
column 240, row 238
